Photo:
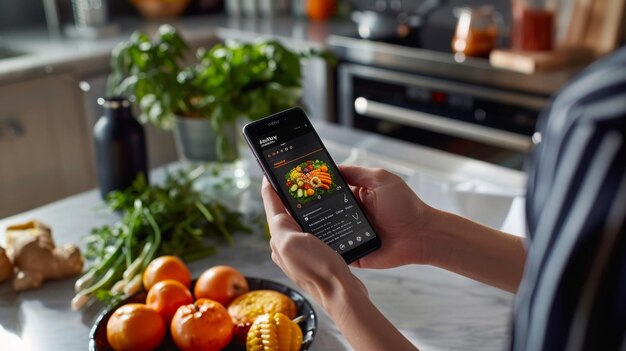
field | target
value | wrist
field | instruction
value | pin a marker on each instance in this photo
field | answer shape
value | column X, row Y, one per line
column 437, row 236
column 476, row 251
column 346, row 297
column 358, row 319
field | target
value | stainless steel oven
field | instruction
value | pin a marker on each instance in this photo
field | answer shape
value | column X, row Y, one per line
column 487, row 123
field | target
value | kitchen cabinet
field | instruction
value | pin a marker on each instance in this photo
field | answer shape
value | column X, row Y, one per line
column 44, row 152
column 46, row 139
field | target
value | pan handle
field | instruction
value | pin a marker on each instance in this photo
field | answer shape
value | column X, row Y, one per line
column 423, row 12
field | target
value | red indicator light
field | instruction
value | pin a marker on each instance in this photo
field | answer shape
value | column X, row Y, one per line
column 438, row 97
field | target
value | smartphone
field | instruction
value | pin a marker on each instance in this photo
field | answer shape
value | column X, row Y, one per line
column 300, row 169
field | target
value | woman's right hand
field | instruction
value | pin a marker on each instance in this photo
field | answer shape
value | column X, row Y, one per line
column 397, row 214
column 413, row 232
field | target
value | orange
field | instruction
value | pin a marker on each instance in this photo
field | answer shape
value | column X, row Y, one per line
column 166, row 296
column 202, row 326
column 135, row 327
column 221, row 284
column 320, row 10
column 166, row 267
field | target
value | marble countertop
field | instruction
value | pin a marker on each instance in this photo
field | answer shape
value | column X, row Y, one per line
column 435, row 309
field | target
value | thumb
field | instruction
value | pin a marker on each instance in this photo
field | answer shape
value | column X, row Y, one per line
column 361, row 177
column 363, row 182
column 272, row 203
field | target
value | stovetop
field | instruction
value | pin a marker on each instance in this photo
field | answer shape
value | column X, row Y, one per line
column 428, row 51
column 428, row 37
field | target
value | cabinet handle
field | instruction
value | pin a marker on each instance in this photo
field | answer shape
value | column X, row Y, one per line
column 10, row 129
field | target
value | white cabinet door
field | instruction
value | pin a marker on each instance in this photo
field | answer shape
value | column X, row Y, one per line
column 44, row 153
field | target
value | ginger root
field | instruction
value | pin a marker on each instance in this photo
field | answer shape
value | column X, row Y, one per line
column 6, row 267
column 36, row 258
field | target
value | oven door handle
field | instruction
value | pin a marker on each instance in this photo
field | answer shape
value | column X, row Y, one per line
column 427, row 121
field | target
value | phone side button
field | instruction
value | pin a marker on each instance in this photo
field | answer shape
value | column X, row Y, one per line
column 274, row 186
column 259, row 163
column 265, row 174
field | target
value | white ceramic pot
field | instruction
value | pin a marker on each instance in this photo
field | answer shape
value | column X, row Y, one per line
column 196, row 140
column 197, row 143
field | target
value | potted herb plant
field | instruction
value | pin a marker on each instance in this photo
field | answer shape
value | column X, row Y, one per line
column 202, row 100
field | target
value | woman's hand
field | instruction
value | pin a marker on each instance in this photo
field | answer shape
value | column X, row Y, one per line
column 305, row 259
column 413, row 232
column 397, row 214
column 324, row 275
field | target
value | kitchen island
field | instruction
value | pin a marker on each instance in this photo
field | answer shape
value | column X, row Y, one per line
column 435, row 309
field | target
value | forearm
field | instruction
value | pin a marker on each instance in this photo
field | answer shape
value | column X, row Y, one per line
column 358, row 319
column 475, row 251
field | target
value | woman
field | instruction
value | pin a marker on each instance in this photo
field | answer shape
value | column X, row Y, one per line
column 570, row 275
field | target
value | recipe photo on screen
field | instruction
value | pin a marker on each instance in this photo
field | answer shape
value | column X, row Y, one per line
column 310, row 182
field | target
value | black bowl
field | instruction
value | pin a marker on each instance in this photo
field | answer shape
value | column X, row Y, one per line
column 98, row 335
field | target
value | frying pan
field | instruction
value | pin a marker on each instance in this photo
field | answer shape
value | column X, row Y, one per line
column 376, row 25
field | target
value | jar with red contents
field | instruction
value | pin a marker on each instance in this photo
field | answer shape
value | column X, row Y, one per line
column 476, row 31
column 533, row 24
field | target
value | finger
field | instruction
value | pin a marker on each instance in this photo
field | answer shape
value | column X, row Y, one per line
column 271, row 201
column 357, row 264
column 278, row 219
column 360, row 176
column 361, row 193
column 367, row 261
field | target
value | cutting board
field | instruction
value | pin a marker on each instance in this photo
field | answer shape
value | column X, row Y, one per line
column 596, row 24
column 531, row 62
column 605, row 24
column 578, row 23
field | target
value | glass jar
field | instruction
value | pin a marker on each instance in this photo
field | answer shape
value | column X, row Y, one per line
column 476, row 31
column 533, row 24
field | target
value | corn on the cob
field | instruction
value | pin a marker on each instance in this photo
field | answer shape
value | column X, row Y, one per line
column 274, row 332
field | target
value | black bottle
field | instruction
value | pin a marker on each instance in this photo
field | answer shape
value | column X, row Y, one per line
column 120, row 145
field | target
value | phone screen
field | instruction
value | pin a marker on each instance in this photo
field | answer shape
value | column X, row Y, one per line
column 308, row 181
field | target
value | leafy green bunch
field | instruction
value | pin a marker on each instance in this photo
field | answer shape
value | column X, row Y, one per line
column 168, row 219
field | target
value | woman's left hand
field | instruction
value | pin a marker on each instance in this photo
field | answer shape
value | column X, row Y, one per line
column 305, row 259
column 324, row 275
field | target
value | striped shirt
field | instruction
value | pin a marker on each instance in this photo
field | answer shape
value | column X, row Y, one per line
column 573, row 294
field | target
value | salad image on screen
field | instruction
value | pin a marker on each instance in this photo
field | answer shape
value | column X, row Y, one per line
column 308, row 180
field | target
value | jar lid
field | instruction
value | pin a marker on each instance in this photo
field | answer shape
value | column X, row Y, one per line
column 479, row 10
column 113, row 102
